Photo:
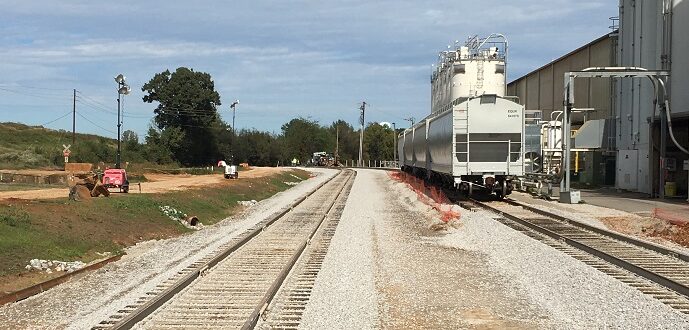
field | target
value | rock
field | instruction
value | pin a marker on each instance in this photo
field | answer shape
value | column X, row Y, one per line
column 35, row 263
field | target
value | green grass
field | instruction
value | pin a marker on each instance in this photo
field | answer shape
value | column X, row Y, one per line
column 23, row 146
column 21, row 240
column 67, row 230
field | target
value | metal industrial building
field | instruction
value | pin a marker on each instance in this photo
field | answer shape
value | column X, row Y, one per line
column 624, row 129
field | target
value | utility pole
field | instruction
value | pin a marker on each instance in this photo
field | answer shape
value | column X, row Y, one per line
column 337, row 143
column 361, row 137
column 74, row 116
column 394, row 145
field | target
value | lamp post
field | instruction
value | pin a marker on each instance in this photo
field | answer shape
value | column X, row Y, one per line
column 233, row 106
column 122, row 89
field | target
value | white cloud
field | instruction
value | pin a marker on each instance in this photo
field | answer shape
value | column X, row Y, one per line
column 281, row 58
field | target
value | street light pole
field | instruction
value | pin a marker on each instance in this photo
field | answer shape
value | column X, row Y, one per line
column 119, row 125
column 122, row 89
column 233, row 106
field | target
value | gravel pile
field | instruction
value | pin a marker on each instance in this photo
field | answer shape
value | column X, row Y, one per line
column 85, row 301
column 576, row 295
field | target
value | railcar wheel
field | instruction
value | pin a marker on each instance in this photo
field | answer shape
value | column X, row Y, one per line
column 502, row 190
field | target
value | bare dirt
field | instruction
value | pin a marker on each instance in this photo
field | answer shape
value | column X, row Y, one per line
column 159, row 183
column 33, row 172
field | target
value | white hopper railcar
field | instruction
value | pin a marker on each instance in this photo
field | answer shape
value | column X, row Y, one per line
column 474, row 136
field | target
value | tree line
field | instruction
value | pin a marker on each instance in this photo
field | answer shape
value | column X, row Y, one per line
column 188, row 130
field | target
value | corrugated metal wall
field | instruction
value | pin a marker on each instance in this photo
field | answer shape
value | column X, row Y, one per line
column 543, row 89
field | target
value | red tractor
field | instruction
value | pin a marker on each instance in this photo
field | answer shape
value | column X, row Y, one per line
column 116, row 178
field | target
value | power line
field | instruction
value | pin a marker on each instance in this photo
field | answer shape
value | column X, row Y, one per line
column 56, row 119
column 94, row 124
column 81, row 94
column 95, row 107
column 33, row 87
column 33, row 94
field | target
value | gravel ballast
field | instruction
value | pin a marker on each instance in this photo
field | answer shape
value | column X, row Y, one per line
column 344, row 295
column 84, row 302
column 576, row 295
column 387, row 269
column 383, row 272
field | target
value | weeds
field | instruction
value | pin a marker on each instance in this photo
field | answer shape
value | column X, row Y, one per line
column 15, row 217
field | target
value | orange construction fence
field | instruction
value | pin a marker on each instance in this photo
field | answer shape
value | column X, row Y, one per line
column 428, row 194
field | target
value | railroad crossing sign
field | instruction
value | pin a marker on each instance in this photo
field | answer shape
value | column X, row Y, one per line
column 66, row 152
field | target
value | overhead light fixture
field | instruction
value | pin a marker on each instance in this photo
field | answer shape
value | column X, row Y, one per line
column 120, row 78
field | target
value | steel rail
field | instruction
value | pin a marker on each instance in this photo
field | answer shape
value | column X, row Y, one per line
column 268, row 297
column 143, row 311
column 621, row 237
column 650, row 275
column 44, row 286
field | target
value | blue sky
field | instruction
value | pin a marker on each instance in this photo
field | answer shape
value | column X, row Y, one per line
column 282, row 59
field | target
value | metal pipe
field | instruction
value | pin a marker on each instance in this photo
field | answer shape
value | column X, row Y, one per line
column 669, row 117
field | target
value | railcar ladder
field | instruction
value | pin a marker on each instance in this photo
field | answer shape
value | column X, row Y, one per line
column 461, row 127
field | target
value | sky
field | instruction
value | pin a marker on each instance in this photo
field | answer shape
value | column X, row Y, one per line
column 281, row 59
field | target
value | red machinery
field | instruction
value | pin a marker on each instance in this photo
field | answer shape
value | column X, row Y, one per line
column 116, row 178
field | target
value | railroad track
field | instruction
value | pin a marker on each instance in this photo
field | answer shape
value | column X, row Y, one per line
column 234, row 288
column 650, row 268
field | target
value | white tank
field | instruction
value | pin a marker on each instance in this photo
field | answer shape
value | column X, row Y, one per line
column 553, row 133
column 474, row 69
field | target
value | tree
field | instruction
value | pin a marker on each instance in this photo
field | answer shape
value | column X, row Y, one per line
column 131, row 147
column 349, row 140
column 302, row 137
column 256, row 148
column 378, row 142
column 130, row 136
column 159, row 144
column 187, row 103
